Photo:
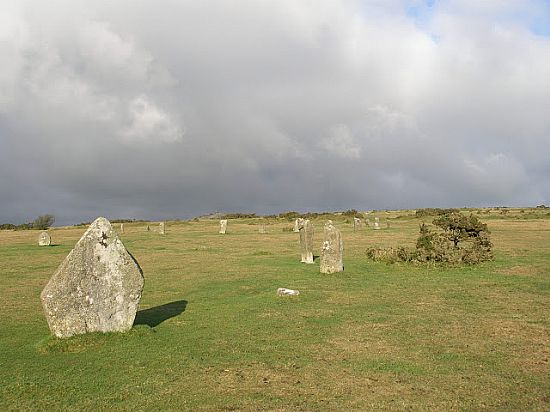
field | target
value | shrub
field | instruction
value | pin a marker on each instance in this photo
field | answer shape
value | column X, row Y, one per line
column 289, row 215
column 352, row 213
column 239, row 216
column 430, row 211
column 390, row 255
column 455, row 239
column 43, row 222
column 460, row 239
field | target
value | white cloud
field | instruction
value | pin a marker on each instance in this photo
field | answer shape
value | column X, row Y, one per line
column 268, row 91
column 116, row 59
column 342, row 143
column 149, row 123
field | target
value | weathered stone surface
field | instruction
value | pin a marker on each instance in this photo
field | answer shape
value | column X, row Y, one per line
column 44, row 239
column 357, row 224
column 122, row 228
column 162, row 228
column 306, row 241
column 96, row 288
column 332, row 251
column 223, row 226
column 297, row 223
column 376, row 223
column 287, row 292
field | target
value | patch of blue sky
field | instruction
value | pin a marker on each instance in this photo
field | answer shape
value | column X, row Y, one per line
column 532, row 14
column 421, row 12
column 540, row 24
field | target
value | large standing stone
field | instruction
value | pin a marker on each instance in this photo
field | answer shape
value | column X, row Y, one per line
column 223, row 226
column 162, row 228
column 44, row 239
column 96, row 288
column 122, row 228
column 376, row 223
column 332, row 251
column 306, row 241
column 357, row 224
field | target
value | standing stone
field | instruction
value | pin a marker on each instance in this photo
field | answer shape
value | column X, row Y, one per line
column 223, row 226
column 306, row 240
column 162, row 228
column 44, row 239
column 148, row 228
column 297, row 223
column 376, row 223
column 357, row 224
column 122, row 228
column 332, row 251
column 96, row 288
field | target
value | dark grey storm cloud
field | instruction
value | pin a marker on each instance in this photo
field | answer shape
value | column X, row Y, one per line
column 166, row 109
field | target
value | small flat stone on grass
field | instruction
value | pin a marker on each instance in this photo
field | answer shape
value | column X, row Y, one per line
column 287, row 292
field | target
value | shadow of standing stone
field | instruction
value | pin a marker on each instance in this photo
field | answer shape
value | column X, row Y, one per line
column 158, row 314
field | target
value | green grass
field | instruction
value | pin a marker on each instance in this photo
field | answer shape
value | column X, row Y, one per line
column 211, row 333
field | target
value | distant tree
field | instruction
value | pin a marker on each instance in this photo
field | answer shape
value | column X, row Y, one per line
column 351, row 212
column 43, row 222
column 291, row 215
column 430, row 211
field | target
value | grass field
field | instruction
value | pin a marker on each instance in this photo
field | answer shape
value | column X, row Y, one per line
column 211, row 334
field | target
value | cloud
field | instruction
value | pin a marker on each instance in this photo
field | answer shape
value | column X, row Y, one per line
column 149, row 123
column 108, row 53
column 341, row 143
column 153, row 110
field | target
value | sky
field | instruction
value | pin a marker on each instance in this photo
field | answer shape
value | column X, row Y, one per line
column 176, row 108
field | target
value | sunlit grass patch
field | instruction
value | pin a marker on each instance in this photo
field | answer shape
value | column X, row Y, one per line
column 212, row 334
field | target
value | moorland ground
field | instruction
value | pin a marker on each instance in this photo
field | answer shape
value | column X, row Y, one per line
column 211, row 334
